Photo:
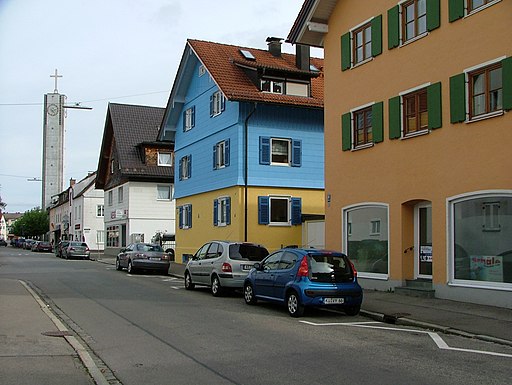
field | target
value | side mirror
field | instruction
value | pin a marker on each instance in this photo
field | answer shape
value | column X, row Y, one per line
column 257, row 266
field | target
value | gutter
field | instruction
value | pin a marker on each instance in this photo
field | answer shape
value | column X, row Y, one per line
column 246, row 169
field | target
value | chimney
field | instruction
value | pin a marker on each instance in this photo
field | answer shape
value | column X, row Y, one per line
column 72, row 182
column 274, row 46
column 302, row 57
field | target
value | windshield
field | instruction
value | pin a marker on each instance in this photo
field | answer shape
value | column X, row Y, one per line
column 247, row 252
column 330, row 268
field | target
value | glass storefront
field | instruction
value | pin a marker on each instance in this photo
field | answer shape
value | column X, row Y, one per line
column 366, row 238
column 482, row 234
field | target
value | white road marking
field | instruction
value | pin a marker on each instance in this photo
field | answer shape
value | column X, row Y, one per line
column 441, row 344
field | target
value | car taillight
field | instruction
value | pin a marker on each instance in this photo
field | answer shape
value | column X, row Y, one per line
column 304, row 268
column 86, row 249
column 165, row 257
column 226, row 267
column 353, row 269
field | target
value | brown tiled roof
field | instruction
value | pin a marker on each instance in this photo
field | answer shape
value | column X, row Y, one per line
column 224, row 63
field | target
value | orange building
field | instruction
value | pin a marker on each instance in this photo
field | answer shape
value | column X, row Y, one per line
column 418, row 135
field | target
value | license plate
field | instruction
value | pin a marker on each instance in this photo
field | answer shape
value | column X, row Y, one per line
column 154, row 259
column 246, row 267
column 334, row 301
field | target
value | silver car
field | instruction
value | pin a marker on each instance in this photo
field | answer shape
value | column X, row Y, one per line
column 143, row 256
column 222, row 265
column 76, row 250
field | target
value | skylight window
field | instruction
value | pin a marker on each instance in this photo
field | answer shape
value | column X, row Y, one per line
column 313, row 68
column 247, row 54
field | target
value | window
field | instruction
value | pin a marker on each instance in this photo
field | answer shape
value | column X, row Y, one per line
column 164, row 193
column 280, row 151
column 120, row 192
column 110, row 198
column 100, row 237
column 217, row 103
column 361, row 43
column 221, row 154
column 475, row 4
column 362, row 127
column 480, row 239
column 460, row 8
column 415, row 112
column 185, row 167
column 112, row 166
column 189, row 118
column 362, row 47
column 414, row 19
column 366, row 239
column 485, row 90
column 273, row 86
column 185, row 216
column 113, row 236
column 165, row 159
column 222, row 211
column 279, row 210
column 100, row 210
column 481, row 92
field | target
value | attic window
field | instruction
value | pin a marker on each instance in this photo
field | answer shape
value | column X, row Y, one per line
column 247, row 54
column 272, row 86
column 313, row 68
column 202, row 70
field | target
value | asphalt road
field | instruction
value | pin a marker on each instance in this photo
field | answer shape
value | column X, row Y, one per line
column 147, row 329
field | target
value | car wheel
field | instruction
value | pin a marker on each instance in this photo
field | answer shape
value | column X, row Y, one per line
column 130, row 269
column 295, row 309
column 118, row 265
column 352, row 310
column 217, row 289
column 189, row 285
column 250, row 298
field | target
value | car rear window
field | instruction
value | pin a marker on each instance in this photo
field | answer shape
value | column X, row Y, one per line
column 152, row 248
column 330, row 268
column 247, row 252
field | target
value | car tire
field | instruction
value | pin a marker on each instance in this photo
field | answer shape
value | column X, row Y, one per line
column 130, row 269
column 249, row 297
column 352, row 310
column 118, row 265
column 295, row 308
column 189, row 285
column 217, row 289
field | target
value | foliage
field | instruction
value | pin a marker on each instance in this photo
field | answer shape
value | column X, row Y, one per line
column 2, row 204
column 33, row 223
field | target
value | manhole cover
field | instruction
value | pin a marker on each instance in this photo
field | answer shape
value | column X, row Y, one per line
column 57, row 333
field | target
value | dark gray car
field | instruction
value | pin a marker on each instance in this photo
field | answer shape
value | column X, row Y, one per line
column 143, row 256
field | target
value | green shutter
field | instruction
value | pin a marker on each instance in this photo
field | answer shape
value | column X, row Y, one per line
column 378, row 122
column 455, row 10
column 377, row 35
column 395, row 131
column 458, row 98
column 434, row 106
column 506, row 69
column 345, row 51
column 433, row 15
column 346, row 129
column 393, row 28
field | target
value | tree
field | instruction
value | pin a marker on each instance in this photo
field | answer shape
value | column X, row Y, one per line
column 32, row 224
column 2, row 204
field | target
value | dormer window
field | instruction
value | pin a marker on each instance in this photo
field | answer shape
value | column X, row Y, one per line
column 272, row 86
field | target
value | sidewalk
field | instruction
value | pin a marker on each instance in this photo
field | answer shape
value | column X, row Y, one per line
column 470, row 320
column 27, row 356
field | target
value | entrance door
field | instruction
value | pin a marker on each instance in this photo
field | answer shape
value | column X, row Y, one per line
column 423, row 241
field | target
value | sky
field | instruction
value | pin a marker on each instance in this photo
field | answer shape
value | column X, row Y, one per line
column 121, row 51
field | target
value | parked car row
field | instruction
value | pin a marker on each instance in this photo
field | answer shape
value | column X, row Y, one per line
column 297, row 278
column 72, row 250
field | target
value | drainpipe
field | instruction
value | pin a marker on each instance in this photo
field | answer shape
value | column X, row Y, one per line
column 246, row 169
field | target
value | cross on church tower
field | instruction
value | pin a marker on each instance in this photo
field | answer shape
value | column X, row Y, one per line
column 56, row 76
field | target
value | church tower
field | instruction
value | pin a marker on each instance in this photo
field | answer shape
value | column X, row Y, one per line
column 53, row 144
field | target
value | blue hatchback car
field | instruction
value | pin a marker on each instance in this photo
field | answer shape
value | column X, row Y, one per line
column 305, row 277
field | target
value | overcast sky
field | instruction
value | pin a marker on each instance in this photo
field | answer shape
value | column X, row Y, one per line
column 123, row 51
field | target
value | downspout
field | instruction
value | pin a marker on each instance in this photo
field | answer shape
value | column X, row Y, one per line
column 246, row 170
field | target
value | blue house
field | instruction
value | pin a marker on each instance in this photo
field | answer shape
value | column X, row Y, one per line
column 248, row 131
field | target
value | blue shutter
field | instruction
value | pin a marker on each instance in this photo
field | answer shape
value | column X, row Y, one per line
column 184, row 120
column 296, row 153
column 263, row 210
column 189, row 174
column 264, row 150
column 296, row 211
column 211, row 105
column 189, row 216
column 215, row 157
column 228, row 211
column 215, row 212
column 226, row 153
column 193, row 118
column 180, row 217
column 180, row 171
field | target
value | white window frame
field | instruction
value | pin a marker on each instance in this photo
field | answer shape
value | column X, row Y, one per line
column 163, row 160
column 276, row 86
column 188, row 118
column 184, row 216
column 289, row 155
column 100, row 237
column 288, row 200
column 220, row 161
column 375, row 225
column 100, row 211
column 120, row 194
column 168, row 191
column 217, row 103
column 110, row 198
column 222, row 206
column 479, row 9
column 185, row 164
